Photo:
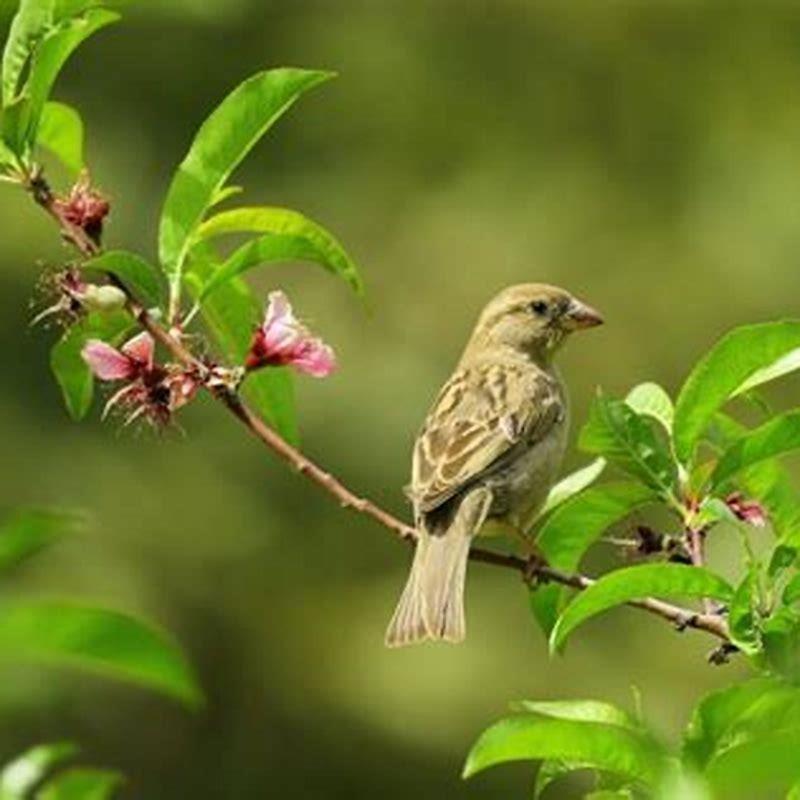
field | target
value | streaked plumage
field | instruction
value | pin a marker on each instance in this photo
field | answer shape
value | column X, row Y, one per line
column 490, row 446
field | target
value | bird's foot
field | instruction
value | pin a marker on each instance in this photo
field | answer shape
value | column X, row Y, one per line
column 532, row 573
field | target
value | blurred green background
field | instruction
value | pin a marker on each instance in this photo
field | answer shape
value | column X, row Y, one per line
column 645, row 155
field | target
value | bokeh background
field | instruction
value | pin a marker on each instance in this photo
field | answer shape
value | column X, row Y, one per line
column 646, row 155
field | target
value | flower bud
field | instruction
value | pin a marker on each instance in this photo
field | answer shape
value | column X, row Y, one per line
column 103, row 298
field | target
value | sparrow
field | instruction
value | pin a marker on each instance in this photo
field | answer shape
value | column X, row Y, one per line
column 490, row 448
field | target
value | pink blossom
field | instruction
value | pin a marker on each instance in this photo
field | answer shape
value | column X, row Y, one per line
column 109, row 364
column 749, row 511
column 151, row 390
column 282, row 340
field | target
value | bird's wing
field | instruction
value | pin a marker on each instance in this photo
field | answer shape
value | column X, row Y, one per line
column 482, row 413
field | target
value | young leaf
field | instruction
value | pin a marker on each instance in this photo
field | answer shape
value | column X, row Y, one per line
column 48, row 58
column 780, row 635
column 266, row 249
column 717, row 718
column 791, row 594
column 232, row 314
column 742, row 614
column 774, row 438
column 138, row 275
column 73, row 375
column 772, row 485
column 635, row 583
column 573, row 484
column 61, row 132
column 72, row 8
column 578, row 710
column 532, row 737
column 619, row 433
column 719, row 374
column 33, row 19
column 20, row 776
column 107, row 642
column 650, row 400
column 82, row 783
column 223, row 140
column 28, row 531
column 550, row 770
column 572, row 528
column 325, row 249
column 783, row 366
column 758, row 767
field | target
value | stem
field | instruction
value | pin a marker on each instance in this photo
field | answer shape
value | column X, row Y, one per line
column 532, row 571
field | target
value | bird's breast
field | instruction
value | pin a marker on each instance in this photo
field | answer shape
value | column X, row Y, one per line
column 522, row 486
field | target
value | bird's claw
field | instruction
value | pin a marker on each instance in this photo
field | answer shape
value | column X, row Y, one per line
column 532, row 574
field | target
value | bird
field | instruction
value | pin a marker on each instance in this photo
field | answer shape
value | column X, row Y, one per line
column 490, row 448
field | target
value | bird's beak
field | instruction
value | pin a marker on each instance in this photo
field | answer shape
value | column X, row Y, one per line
column 579, row 315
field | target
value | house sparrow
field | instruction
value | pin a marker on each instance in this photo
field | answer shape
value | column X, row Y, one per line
column 490, row 447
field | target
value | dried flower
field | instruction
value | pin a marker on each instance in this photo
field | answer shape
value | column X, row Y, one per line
column 749, row 511
column 85, row 208
column 152, row 391
column 282, row 340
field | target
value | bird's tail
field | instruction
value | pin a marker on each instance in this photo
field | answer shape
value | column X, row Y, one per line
column 432, row 603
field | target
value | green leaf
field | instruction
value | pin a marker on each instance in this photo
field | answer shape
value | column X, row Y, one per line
column 780, row 635
column 73, row 375
column 61, row 132
column 572, row 528
column 573, row 484
column 771, row 484
column 791, row 594
column 578, row 710
column 264, row 250
column 550, row 771
column 774, row 438
column 609, row 794
column 107, row 642
column 719, row 374
column 635, row 583
column 757, row 767
column 21, row 775
column 232, row 315
column 82, row 783
column 72, row 8
column 138, row 275
column 28, row 531
column 532, row 737
column 223, row 140
column 619, row 433
column 33, row 19
column 743, row 614
column 717, row 719
column 650, row 400
column 783, row 366
column 48, row 59
column 309, row 240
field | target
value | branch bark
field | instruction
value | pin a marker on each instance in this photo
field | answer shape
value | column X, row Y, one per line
column 531, row 571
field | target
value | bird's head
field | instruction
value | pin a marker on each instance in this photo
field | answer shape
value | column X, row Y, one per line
column 532, row 318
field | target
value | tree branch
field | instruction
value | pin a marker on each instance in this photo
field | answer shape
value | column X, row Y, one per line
column 532, row 572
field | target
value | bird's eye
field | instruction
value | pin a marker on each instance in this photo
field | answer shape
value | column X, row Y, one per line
column 539, row 307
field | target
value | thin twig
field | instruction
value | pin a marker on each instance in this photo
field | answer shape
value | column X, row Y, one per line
column 538, row 572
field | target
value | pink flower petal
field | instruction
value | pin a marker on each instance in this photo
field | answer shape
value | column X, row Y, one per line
column 747, row 510
column 316, row 358
column 284, row 341
column 106, row 362
column 280, row 329
column 141, row 349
